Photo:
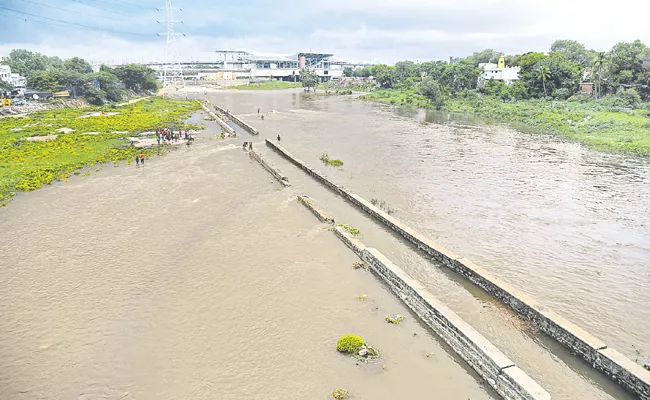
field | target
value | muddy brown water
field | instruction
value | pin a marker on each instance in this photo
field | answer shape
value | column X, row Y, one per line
column 194, row 275
column 194, row 278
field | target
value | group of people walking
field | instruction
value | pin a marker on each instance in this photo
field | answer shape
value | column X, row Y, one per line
column 168, row 135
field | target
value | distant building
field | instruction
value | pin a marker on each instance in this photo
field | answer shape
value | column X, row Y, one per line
column 586, row 87
column 13, row 79
column 498, row 71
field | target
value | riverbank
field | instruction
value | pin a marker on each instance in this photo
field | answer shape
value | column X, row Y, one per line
column 268, row 85
column 51, row 145
column 621, row 132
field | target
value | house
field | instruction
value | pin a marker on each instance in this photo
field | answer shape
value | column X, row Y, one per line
column 498, row 71
column 586, row 87
column 13, row 79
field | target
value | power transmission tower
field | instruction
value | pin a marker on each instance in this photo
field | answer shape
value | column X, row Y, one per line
column 171, row 70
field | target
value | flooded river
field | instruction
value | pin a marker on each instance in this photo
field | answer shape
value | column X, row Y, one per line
column 196, row 277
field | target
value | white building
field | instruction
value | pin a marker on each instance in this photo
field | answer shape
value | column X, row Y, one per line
column 13, row 79
column 498, row 71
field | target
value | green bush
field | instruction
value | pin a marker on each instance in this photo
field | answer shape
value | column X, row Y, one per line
column 349, row 343
column 95, row 97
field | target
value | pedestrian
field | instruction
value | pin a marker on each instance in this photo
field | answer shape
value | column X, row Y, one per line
column 262, row 117
column 137, row 160
column 142, row 159
column 250, row 146
column 278, row 138
column 258, row 112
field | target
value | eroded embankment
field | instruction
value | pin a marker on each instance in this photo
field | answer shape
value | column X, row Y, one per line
column 609, row 361
column 272, row 169
column 489, row 362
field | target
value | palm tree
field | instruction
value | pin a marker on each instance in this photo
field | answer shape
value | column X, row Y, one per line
column 544, row 73
column 599, row 64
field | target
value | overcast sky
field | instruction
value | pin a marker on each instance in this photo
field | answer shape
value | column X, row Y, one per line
column 354, row 30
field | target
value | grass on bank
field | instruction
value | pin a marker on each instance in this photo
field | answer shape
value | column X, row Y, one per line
column 268, row 85
column 27, row 165
column 585, row 122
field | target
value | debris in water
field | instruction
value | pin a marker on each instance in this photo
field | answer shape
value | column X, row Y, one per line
column 340, row 394
column 394, row 318
column 362, row 297
column 359, row 265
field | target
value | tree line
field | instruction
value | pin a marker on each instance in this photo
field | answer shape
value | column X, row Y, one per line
column 52, row 74
column 624, row 70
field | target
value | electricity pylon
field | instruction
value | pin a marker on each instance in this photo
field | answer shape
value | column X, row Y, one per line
column 172, row 70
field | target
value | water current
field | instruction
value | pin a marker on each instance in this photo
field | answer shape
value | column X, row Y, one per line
column 195, row 276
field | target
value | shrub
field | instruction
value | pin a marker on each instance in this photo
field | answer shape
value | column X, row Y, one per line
column 349, row 343
column 628, row 98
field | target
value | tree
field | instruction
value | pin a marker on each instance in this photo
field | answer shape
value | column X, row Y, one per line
column 574, row 51
column 459, row 76
column 430, row 88
column 404, row 70
column 486, row 56
column 543, row 73
column 23, row 62
column 78, row 64
column 110, row 85
column 348, row 72
column 383, row 75
column 136, row 77
column 5, row 87
column 308, row 78
column 599, row 65
column 46, row 81
column 626, row 62
column 95, row 96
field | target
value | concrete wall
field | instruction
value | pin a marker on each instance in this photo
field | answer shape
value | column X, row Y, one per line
column 245, row 126
column 490, row 363
column 622, row 370
column 229, row 131
column 273, row 170
column 317, row 211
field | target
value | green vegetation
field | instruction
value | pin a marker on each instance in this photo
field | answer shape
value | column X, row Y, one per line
column 340, row 394
column 26, row 165
column 383, row 205
column 268, row 85
column 394, row 319
column 615, row 118
column 51, row 74
column 359, row 265
column 350, row 229
column 349, row 343
column 328, row 161
column 309, row 79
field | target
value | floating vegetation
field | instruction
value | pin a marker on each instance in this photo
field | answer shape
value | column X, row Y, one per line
column 349, row 343
column 382, row 205
column 352, row 230
column 362, row 297
column 340, row 394
column 359, row 265
column 328, row 161
column 430, row 354
column 27, row 165
column 354, row 345
column 394, row 318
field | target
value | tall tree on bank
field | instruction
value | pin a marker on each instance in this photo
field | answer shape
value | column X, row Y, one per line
column 599, row 64
column 543, row 73
column 574, row 51
column 308, row 78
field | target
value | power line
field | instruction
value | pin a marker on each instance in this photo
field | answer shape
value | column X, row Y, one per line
column 100, row 8
column 73, row 24
column 70, row 11
column 128, row 4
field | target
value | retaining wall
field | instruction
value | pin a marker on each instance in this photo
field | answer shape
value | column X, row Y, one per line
column 618, row 367
column 273, row 170
column 490, row 363
column 317, row 211
column 226, row 127
column 244, row 125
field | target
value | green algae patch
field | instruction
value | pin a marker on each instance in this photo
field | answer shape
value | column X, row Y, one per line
column 349, row 343
column 27, row 163
column 394, row 319
column 352, row 230
column 340, row 394
column 331, row 162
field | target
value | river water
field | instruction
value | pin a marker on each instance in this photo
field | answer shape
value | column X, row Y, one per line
column 195, row 277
